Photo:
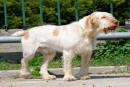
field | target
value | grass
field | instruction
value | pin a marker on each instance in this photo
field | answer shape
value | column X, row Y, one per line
column 9, row 66
column 57, row 62
column 117, row 61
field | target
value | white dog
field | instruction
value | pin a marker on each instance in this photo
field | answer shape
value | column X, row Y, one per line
column 77, row 37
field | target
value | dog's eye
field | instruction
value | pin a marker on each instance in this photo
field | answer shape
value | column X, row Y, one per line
column 103, row 17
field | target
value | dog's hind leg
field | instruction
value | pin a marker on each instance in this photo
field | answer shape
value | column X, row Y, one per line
column 49, row 54
column 29, row 50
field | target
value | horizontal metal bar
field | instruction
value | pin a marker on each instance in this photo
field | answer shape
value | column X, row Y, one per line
column 101, row 36
column 10, row 39
column 114, row 36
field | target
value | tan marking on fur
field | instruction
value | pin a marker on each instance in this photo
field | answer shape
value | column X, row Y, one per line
column 105, row 30
column 95, row 20
column 40, row 48
column 88, row 21
column 113, row 21
column 91, row 20
column 26, row 35
column 55, row 32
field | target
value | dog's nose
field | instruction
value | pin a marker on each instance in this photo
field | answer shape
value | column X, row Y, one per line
column 116, row 23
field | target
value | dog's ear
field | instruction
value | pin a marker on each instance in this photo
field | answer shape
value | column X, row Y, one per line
column 92, row 21
column 88, row 22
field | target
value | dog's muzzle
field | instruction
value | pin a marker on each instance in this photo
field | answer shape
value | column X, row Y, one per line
column 111, row 28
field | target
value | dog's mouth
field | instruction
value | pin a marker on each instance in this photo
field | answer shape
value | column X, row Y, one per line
column 110, row 29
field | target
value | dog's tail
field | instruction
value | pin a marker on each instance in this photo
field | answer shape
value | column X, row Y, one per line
column 19, row 33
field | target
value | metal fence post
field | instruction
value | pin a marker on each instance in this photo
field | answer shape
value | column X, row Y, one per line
column 111, row 7
column 76, row 11
column 23, row 12
column 93, row 5
column 41, row 15
column 129, row 8
column 58, row 10
column 5, row 15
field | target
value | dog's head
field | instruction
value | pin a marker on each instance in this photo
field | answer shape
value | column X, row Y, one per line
column 106, row 21
column 100, row 21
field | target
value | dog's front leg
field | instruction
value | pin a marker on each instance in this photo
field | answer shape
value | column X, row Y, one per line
column 68, row 56
column 84, row 65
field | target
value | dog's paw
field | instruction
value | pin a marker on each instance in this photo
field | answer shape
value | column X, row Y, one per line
column 25, row 76
column 84, row 77
column 69, row 78
column 25, row 73
column 49, row 77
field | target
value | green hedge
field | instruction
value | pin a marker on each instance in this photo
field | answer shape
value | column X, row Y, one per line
column 14, row 10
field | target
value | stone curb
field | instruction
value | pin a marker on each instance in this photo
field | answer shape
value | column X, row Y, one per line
column 59, row 71
column 93, row 70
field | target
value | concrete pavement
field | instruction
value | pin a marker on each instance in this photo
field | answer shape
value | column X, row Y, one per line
column 97, row 80
column 8, row 78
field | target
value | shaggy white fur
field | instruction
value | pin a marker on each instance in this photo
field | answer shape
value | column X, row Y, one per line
column 77, row 37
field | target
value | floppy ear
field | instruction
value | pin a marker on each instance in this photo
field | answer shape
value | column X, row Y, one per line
column 88, row 22
column 91, row 21
column 94, row 21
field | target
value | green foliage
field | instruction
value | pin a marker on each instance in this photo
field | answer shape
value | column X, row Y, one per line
column 119, row 13
column 14, row 10
column 8, row 66
column 121, row 30
column 36, row 60
column 35, row 72
column 55, row 63
column 112, row 52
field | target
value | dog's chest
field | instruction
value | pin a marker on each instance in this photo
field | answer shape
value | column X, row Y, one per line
column 84, row 45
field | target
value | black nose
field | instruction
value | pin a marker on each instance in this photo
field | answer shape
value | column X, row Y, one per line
column 116, row 22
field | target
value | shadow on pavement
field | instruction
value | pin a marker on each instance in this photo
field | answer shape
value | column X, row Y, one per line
column 102, row 76
column 110, row 76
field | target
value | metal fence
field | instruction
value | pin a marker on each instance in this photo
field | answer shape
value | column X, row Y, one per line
column 58, row 11
column 101, row 36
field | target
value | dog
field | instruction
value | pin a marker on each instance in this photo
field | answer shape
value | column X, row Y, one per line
column 76, row 37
